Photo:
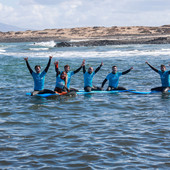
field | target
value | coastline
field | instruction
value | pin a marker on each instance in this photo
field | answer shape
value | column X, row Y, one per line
column 92, row 36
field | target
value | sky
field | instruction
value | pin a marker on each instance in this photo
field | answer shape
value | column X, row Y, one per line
column 51, row 14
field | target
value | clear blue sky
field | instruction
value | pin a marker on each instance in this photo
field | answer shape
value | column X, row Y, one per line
column 44, row 14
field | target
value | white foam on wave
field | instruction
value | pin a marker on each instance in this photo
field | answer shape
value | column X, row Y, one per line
column 39, row 49
column 92, row 52
column 2, row 51
column 45, row 44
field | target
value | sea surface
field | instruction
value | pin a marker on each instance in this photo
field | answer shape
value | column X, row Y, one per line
column 97, row 131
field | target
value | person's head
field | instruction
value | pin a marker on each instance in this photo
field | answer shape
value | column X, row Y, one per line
column 38, row 68
column 90, row 70
column 67, row 68
column 163, row 68
column 63, row 75
column 114, row 69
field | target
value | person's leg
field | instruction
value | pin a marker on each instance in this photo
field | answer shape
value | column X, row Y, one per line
column 165, row 89
column 64, row 89
column 120, row 88
column 157, row 89
column 87, row 89
column 57, row 89
column 46, row 91
column 109, row 88
column 72, row 89
column 94, row 88
column 34, row 93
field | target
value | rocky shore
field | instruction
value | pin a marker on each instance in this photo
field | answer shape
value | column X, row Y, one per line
column 93, row 36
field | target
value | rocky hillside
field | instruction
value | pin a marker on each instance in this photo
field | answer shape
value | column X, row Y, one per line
column 133, row 33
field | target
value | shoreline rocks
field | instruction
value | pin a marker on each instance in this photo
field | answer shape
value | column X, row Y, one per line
column 160, row 40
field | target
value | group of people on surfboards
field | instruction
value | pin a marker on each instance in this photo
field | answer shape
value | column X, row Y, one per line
column 63, row 78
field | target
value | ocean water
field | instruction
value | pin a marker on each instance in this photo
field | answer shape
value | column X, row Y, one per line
column 97, row 131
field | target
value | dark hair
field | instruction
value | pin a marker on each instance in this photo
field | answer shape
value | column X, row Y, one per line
column 67, row 66
column 114, row 66
column 37, row 66
column 163, row 65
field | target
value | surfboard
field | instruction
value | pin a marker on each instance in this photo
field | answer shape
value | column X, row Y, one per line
column 146, row 92
column 103, row 92
column 79, row 92
column 51, row 94
column 94, row 92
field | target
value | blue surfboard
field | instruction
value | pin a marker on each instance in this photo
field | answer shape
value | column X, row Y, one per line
column 80, row 92
column 52, row 94
column 43, row 95
column 146, row 92
column 103, row 92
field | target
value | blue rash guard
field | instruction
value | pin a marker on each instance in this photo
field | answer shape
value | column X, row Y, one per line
column 113, row 79
column 60, row 83
column 38, row 80
column 69, row 74
column 88, row 78
column 164, row 78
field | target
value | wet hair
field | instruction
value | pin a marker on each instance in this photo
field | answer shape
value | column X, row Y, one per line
column 163, row 65
column 114, row 66
column 66, row 66
column 37, row 66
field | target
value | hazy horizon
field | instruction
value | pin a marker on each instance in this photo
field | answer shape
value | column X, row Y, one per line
column 52, row 14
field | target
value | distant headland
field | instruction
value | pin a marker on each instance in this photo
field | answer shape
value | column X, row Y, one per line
column 93, row 36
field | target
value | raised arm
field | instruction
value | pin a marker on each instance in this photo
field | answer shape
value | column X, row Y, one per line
column 153, row 68
column 103, row 83
column 76, row 71
column 28, row 66
column 56, row 68
column 48, row 65
column 127, row 71
column 84, row 68
column 98, row 68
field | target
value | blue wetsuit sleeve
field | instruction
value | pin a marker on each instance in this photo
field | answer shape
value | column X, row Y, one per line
column 125, row 72
column 48, row 65
column 29, row 68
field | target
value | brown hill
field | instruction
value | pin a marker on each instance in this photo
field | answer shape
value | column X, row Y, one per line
column 133, row 33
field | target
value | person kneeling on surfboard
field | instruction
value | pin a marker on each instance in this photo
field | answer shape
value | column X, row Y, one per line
column 164, row 75
column 113, row 78
column 61, row 80
column 88, row 78
column 39, row 77
column 71, row 73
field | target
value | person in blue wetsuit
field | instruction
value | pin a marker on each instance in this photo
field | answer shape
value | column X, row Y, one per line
column 39, row 77
column 164, row 75
column 113, row 78
column 88, row 78
column 70, row 74
column 61, row 80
